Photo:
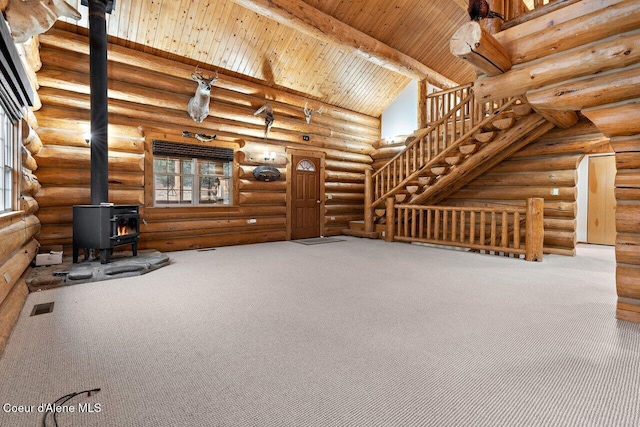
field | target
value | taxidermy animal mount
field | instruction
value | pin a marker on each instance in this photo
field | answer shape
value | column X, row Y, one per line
column 479, row 9
column 198, row 107
column 30, row 17
column 310, row 112
column 202, row 137
column 268, row 117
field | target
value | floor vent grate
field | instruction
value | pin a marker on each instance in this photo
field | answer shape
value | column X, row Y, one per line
column 42, row 308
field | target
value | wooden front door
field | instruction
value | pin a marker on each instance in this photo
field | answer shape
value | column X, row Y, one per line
column 601, row 213
column 305, row 200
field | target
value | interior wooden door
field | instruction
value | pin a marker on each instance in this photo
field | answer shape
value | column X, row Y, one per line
column 305, row 200
column 601, row 214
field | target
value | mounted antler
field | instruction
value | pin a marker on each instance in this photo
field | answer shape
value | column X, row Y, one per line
column 198, row 107
column 268, row 117
column 310, row 112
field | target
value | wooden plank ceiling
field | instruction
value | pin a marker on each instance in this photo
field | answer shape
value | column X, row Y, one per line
column 219, row 34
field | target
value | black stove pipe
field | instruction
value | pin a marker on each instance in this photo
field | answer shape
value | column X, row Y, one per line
column 99, row 102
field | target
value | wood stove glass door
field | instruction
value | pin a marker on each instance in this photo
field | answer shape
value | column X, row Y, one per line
column 305, row 200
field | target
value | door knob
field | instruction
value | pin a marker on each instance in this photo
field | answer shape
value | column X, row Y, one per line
column 318, row 201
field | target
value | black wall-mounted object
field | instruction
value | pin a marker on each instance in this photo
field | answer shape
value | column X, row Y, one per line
column 15, row 90
column 266, row 173
column 305, row 137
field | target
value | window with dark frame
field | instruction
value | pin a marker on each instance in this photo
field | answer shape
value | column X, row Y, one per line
column 8, row 142
column 192, row 175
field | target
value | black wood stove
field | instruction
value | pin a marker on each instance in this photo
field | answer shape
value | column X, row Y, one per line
column 104, row 227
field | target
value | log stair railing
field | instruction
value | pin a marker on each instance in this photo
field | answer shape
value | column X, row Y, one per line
column 434, row 152
column 488, row 230
column 431, row 146
column 441, row 103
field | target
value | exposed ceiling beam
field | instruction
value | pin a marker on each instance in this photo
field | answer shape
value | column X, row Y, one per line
column 311, row 21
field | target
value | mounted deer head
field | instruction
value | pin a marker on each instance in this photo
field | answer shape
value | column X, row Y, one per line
column 268, row 117
column 30, row 17
column 310, row 112
column 198, row 107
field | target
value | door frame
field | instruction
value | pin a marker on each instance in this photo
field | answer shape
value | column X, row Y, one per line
column 290, row 171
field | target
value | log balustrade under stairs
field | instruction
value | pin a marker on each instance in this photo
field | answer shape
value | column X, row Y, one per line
column 517, row 232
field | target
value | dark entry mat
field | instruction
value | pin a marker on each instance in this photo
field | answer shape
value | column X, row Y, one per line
column 318, row 240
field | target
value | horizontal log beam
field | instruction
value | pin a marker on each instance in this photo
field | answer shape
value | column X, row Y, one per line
column 564, row 178
column 627, row 218
column 628, row 281
column 587, row 60
column 627, row 160
column 259, row 198
column 211, row 241
column 337, row 176
column 80, row 158
column 311, row 21
column 557, row 163
column 347, row 187
column 561, row 147
column 560, row 37
column 605, row 88
column 253, row 185
column 344, row 197
column 558, row 209
column 619, row 119
column 68, row 196
column 79, row 177
column 562, row 119
column 627, row 178
column 628, row 249
column 490, row 193
column 626, row 143
column 476, row 46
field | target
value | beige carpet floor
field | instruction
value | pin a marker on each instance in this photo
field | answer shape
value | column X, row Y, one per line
column 355, row 333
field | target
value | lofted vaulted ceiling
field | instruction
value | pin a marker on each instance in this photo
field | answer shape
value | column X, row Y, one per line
column 221, row 34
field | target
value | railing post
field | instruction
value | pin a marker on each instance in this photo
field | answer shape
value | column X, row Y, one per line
column 391, row 219
column 368, row 201
column 534, row 229
column 423, row 119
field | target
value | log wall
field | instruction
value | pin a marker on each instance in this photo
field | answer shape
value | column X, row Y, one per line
column 17, row 234
column 627, row 149
column 148, row 96
column 542, row 169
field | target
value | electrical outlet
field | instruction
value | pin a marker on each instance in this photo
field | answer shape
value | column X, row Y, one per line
column 555, row 191
column 329, row 196
column 252, row 221
column 333, row 218
column 7, row 277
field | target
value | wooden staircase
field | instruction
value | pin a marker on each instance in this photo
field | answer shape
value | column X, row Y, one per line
column 463, row 143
